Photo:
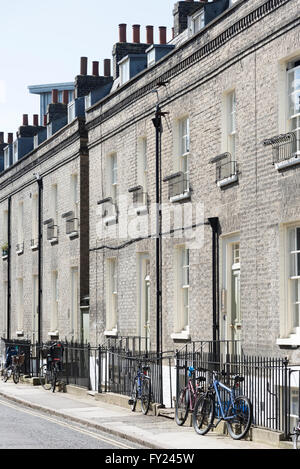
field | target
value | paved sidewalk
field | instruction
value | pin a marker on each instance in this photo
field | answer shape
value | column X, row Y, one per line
column 152, row 432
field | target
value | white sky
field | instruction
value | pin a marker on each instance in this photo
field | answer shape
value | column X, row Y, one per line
column 42, row 42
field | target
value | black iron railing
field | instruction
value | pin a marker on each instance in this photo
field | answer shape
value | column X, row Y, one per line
column 266, row 382
column 178, row 185
column 284, row 147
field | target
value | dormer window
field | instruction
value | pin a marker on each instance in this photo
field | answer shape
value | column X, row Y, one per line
column 151, row 57
column 197, row 22
column 125, row 71
column 71, row 111
column 15, row 151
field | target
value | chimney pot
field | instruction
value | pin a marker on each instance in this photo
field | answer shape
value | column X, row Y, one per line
column 10, row 138
column 122, row 32
column 65, row 96
column 95, row 69
column 35, row 119
column 25, row 119
column 83, row 65
column 1, row 137
column 45, row 120
column 136, row 33
column 107, row 68
column 162, row 35
column 54, row 96
column 149, row 34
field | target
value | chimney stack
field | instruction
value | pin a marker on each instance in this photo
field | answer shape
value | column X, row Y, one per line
column 149, row 35
column 95, row 69
column 83, row 65
column 162, row 35
column 136, row 34
column 54, row 96
column 107, row 68
column 122, row 32
column 65, row 96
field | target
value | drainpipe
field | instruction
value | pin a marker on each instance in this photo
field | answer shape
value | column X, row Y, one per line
column 157, row 122
column 158, row 127
column 8, row 268
column 215, row 226
column 40, row 255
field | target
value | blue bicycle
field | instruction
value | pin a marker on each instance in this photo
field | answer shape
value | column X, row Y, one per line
column 141, row 389
column 235, row 410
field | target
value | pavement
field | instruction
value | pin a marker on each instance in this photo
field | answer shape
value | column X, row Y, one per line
column 147, row 430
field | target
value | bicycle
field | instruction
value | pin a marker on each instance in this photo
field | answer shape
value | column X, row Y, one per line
column 237, row 413
column 49, row 372
column 13, row 364
column 141, row 389
column 295, row 435
column 18, row 362
column 188, row 396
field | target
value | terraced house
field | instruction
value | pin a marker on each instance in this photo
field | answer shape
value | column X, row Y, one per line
column 44, row 208
column 205, row 123
column 227, row 91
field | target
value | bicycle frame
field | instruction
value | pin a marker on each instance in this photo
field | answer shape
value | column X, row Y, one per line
column 217, row 385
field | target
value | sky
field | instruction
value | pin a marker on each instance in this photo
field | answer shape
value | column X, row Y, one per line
column 42, row 42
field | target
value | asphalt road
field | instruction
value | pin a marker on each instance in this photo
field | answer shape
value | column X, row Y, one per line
column 23, row 428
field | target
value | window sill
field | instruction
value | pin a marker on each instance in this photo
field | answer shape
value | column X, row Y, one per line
column 111, row 220
column 5, row 257
column 20, row 252
column 181, row 336
column 112, row 333
column 292, row 341
column 227, row 181
column 53, row 241
column 35, row 247
column 73, row 235
column 142, row 210
column 20, row 333
column 290, row 162
column 178, row 198
column 53, row 334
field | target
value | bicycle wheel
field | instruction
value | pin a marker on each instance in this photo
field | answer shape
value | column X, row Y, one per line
column 6, row 375
column 204, row 414
column 134, row 394
column 45, row 377
column 145, row 395
column 182, row 407
column 16, row 375
column 54, row 378
column 241, row 413
column 295, row 438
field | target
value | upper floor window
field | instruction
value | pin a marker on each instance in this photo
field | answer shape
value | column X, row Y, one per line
column 113, row 167
column 35, row 221
column 197, row 22
column 20, row 245
column 293, row 101
column 184, row 148
column 231, row 123
column 124, row 71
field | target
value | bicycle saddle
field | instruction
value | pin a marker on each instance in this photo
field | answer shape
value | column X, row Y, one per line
column 201, row 379
column 238, row 379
